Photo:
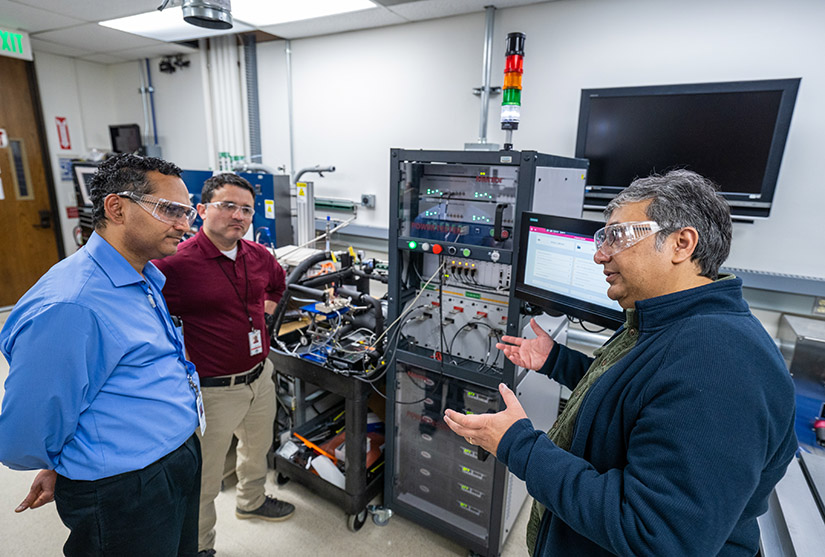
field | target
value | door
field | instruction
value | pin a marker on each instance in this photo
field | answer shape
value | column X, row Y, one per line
column 29, row 233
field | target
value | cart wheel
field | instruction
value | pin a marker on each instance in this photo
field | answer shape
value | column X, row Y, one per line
column 380, row 515
column 281, row 479
column 356, row 521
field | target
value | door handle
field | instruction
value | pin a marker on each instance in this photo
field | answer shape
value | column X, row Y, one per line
column 45, row 220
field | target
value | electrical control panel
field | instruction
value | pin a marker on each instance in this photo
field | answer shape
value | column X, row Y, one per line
column 466, row 204
column 459, row 322
column 451, row 248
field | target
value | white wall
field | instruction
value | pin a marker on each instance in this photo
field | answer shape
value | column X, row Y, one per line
column 358, row 94
column 94, row 96
column 179, row 108
column 81, row 92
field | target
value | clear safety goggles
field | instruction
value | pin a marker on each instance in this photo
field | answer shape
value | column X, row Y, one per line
column 165, row 211
column 612, row 239
column 229, row 208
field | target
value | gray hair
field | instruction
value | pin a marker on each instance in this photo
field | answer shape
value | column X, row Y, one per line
column 683, row 198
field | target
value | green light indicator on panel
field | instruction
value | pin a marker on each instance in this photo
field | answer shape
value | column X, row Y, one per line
column 413, row 244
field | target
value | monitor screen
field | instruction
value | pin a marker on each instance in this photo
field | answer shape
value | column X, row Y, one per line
column 125, row 138
column 732, row 133
column 556, row 270
column 83, row 174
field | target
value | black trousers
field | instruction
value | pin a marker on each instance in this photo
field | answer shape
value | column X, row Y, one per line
column 152, row 511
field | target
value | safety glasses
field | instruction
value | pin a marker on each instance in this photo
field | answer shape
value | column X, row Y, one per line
column 612, row 239
column 229, row 208
column 165, row 211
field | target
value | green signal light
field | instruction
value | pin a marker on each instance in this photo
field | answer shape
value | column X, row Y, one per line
column 413, row 244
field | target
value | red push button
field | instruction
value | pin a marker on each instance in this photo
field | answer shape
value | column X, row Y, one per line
column 437, row 249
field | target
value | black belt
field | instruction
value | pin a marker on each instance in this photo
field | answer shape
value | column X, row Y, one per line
column 233, row 379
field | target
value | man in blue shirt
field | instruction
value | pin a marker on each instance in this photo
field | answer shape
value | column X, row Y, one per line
column 99, row 393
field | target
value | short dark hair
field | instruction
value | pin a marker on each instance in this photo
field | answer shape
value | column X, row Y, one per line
column 683, row 198
column 220, row 180
column 125, row 172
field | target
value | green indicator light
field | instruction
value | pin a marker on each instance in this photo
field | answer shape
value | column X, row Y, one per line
column 465, row 469
column 413, row 244
column 511, row 96
column 465, row 252
column 470, row 393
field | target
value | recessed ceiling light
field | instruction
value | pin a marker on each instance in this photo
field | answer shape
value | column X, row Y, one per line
column 271, row 12
column 168, row 25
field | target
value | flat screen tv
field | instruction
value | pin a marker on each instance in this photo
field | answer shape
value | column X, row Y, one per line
column 556, row 271
column 733, row 133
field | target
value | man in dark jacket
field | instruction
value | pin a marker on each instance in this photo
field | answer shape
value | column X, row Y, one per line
column 679, row 428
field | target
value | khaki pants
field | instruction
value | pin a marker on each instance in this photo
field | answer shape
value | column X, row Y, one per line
column 248, row 412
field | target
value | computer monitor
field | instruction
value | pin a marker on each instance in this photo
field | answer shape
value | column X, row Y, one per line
column 83, row 174
column 556, row 271
column 733, row 133
column 125, row 138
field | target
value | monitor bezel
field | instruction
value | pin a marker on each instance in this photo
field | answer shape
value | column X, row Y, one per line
column 82, row 174
column 554, row 301
column 597, row 195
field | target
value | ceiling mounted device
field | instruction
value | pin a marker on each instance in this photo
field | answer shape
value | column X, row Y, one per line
column 211, row 14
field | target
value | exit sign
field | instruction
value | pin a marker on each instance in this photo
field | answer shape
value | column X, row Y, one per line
column 15, row 44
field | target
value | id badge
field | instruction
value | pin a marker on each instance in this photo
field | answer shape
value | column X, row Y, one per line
column 201, row 413
column 256, row 345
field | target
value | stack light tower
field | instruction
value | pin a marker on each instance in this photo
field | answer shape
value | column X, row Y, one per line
column 511, row 98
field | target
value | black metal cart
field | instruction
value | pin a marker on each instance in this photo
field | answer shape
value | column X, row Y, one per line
column 358, row 490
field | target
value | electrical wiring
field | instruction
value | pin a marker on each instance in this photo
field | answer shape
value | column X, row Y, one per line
column 471, row 325
column 583, row 326
column 411, row 306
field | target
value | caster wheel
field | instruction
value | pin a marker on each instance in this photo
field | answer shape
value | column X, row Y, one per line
column 380, row 515
column 282, row 480
column 356, row 521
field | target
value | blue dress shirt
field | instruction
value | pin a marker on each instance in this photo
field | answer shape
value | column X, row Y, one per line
column 98, row 382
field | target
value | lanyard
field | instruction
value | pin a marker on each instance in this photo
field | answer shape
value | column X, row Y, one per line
column 169, row 329
column 245, row 300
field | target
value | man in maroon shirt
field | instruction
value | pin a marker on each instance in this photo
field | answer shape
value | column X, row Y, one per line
column 220, row 286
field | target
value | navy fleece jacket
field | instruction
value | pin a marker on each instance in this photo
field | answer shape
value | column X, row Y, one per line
column 676, row 447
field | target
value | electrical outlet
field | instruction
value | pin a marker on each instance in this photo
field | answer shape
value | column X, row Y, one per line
column 368, row 200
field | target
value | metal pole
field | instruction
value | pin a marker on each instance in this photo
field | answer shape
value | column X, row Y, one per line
column 288, row 50
column 485, row 72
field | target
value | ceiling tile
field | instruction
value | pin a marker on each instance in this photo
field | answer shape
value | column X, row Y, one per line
column 93, row 10
column 364, row 19
column 104, row 58
column 39, row 45
column 96, row 38
column 26, row 18
column 167, row 49
column 432, row 9
column 68, row 27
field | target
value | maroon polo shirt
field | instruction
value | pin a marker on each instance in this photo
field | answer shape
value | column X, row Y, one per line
column 213, row 296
